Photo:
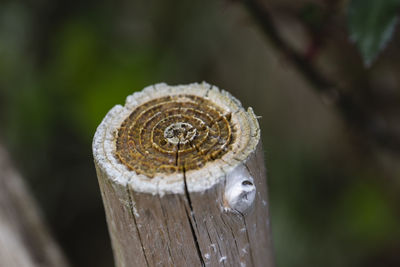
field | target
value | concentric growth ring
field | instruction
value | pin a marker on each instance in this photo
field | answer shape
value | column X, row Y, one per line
column 174, row 133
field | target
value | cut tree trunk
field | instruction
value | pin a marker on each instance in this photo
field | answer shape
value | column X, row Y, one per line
column 182, row 177
column 24, row 238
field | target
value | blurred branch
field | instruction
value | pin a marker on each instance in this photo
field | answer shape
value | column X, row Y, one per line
column 356, row 113
column 24, row 238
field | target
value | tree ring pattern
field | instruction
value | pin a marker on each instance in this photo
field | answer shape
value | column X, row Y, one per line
column 173, row 134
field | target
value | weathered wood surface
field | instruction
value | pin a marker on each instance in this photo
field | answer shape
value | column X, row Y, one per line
column 195, row 226
column 24, row 239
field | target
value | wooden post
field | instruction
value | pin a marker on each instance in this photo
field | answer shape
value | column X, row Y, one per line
column 182, row 176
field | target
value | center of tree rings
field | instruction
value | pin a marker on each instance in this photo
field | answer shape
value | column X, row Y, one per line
column 180, row 133
column 174, row 134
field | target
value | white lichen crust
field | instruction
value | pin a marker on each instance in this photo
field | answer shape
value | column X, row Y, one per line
column 198, row 180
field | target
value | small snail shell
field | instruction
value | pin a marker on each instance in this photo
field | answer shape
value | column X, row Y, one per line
column 240, row 190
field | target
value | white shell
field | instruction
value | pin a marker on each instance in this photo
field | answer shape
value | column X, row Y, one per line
column 240, row 190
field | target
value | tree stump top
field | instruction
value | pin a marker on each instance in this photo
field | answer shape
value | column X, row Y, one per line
column 165, row 133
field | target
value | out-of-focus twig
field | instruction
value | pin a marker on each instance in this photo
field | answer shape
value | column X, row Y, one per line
column 357, row 115
column 24, row 238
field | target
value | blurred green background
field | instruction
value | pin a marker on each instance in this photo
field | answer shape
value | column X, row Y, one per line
column 334, row 197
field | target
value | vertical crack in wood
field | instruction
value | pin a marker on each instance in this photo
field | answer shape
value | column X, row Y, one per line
column 196, row 241
column 177, row 155
column 195, row 238
column 136, row 225
column 191, row 216
column 222, row 127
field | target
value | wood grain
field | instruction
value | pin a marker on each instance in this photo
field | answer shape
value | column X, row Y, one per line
column 193, row 225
